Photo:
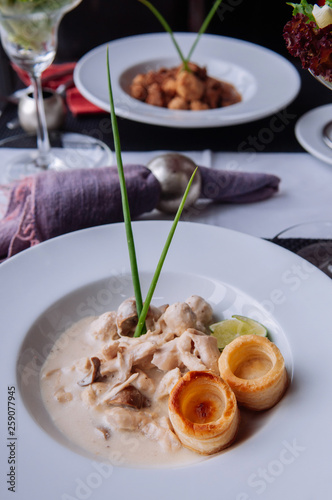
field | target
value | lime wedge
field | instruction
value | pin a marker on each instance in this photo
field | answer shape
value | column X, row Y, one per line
column 229, row 329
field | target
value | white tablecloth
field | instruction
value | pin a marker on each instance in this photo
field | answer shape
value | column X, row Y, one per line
column 305, row 191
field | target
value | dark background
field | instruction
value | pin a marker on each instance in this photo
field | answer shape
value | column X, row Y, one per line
column 95, row 22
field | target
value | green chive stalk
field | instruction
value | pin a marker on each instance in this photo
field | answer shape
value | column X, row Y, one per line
column 142, row 310
column 203, row 28
column 167, row 28
column 124, row 197
column 141, row 321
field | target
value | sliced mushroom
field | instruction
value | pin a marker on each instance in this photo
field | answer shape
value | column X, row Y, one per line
column 93, row 373
column 129, row 397
column 105, row 432
column 126, row 318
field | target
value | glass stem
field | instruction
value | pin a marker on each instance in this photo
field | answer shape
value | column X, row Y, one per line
column 43, row 142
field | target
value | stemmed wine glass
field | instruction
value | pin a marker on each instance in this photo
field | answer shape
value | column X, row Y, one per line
column 29, row 31
column 312, row 241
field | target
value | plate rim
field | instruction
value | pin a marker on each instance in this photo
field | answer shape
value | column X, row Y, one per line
column 182, row 118
column 42, row 255
column 315, row 145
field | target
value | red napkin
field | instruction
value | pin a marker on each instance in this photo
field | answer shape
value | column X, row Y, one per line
column 78, row 105
column 58, row 74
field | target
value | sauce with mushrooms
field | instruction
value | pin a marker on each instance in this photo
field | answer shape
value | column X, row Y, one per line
column 108, row 392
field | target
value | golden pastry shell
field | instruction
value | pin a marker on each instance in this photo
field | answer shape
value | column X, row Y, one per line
column 252, row 390
column 203, row 411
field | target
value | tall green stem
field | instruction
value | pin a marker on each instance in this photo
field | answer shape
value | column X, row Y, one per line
column 167, row 27
column 124, row 197
column 149, row 295
column 203, row 28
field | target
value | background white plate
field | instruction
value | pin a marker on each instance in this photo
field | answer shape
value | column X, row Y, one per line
column 45, row 288
column 309, row 132
column 266, row 80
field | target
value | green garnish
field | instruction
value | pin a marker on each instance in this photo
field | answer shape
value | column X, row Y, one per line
column 141, row 320
column 141, row 310
column 167, row 28
column 304, row 8
column 203, row 28
column 124, row 198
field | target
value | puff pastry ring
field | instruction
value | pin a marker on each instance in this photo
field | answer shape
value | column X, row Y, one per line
column 255, row 369
column 203, row 411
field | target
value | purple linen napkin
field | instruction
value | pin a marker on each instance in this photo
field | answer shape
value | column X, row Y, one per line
column 54, row 203
column 237, row 187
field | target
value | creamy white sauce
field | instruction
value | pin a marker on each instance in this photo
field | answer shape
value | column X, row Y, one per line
column 88, row 425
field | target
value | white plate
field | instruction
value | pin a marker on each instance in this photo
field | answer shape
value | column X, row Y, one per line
column 309, row 132
column 45, row 288
column 267, row 81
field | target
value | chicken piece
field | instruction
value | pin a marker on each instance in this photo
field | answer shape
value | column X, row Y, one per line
column 104, row 327
column 168, row 86
column 167, row 357
column 139, row 79
column 199, row 351
column 54, row 371
column 168, row 382
column 198, row 106
column 133, row 420
column 150, row 78
column 82, row 365
column 178, row 103
column 229, row 94
column 138, row 92
column 152, row 317
column 131, row 352
column 163, row 308
column 126, row 419
column 141, row 352
column 159, row 430
column 155, row 95
column 99, row 388
column 120, row 366
column 88, row 396
column 198, row 71
column 189, row 86
column 162, row 75
column 178, row 317
column 191, row 362
column 92, row 394
column 202, row 309
column 144, row 383
column 213, row 93
column 63, row 396
column 110, row 351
